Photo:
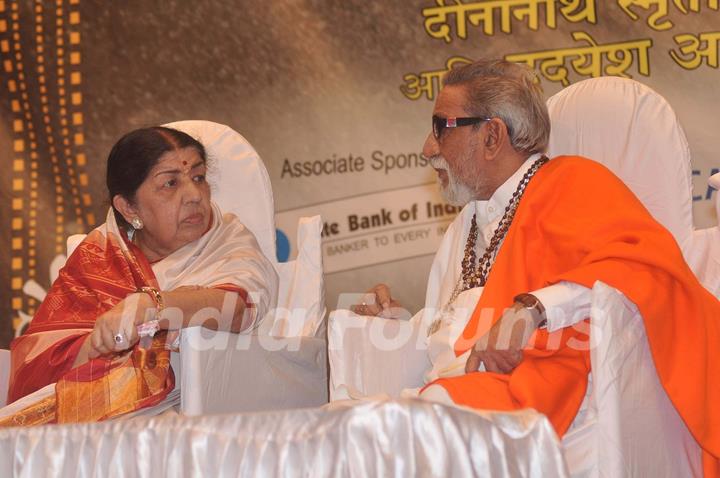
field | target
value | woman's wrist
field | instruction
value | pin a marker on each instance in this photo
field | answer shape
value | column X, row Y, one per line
column 150, row 304
column 143, row 307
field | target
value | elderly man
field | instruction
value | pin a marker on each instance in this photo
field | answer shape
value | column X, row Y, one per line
column 509, row 290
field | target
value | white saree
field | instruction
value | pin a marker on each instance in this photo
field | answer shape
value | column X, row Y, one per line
column 226, row 254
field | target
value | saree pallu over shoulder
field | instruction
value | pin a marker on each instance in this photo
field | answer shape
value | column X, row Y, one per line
column 101, row 272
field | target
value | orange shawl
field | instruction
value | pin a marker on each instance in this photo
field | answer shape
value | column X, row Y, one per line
column 578, row 222
column 97, row 276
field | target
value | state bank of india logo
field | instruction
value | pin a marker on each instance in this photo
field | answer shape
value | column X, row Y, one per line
column 282, row 245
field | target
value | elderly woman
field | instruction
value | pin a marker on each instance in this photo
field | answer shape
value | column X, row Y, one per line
column 166, row 258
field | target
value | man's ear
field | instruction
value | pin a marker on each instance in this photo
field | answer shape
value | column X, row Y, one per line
column 124, row 207
column 496, row 135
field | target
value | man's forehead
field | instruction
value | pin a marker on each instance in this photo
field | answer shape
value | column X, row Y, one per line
column 451, row 101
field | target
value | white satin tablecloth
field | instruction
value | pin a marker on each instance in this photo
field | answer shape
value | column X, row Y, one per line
column 379, row 438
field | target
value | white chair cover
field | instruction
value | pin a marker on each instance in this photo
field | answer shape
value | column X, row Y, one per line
column 633, row 131
column 630, row 427
column 704, row 255
column 363, row 366
column 240, row 183
column 230, row 373
column 4, row 375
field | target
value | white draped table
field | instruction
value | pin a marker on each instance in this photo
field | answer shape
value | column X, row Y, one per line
column 376, row 438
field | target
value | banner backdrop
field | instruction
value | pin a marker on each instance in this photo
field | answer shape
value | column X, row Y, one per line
column 336, row 95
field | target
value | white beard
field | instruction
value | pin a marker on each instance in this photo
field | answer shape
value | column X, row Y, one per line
column 456, row 192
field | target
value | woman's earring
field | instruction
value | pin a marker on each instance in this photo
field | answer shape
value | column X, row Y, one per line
column 137, row 223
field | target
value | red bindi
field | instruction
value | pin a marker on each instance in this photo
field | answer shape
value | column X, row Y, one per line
column 184, row 163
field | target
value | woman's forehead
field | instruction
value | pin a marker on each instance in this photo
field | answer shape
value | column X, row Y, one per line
column 179, row 159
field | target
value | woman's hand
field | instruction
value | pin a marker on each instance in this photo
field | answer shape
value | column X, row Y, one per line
column 116, row 330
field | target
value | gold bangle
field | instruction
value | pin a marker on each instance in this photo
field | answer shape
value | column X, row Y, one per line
column 156, row 297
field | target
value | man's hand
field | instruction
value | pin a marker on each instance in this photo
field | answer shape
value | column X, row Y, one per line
column 501, row 348
column 379, row 303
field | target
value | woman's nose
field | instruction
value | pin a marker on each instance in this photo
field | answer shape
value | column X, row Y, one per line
column 192, row 191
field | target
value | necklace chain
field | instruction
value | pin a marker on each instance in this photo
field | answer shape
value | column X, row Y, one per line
column 473, row 276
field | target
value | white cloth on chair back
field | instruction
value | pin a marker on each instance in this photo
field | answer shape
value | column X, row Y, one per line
column 238, row 177
column 301, row 295
column 632, row 428
column 633, row 131
column 704, row 256
column 4, row 375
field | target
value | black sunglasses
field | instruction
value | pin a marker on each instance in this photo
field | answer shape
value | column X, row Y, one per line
column 439, row 124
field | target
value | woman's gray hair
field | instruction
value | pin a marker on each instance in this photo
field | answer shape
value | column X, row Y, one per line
column 509, row 91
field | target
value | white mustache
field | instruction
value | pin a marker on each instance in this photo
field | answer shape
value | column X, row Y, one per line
column 438, row 162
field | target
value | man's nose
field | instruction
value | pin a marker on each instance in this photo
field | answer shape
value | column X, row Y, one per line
column 431, row 147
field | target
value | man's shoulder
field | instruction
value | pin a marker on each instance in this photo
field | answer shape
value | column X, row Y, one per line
column 576, row 164
column 578, row 169
column 579, row 180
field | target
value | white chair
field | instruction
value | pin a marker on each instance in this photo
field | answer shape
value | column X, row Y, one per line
column 632, row 130
column 627, row 425
column 283, row 364
column 4, row 375
column 704, row 255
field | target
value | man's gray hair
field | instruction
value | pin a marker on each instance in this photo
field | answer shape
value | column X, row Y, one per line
column 509, row 91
